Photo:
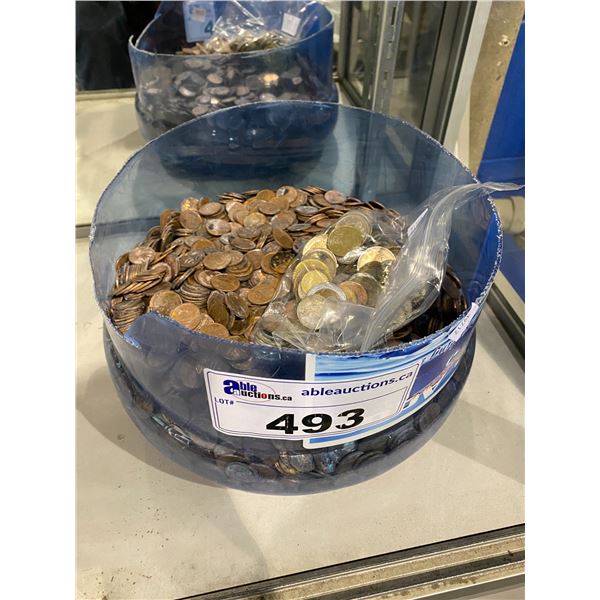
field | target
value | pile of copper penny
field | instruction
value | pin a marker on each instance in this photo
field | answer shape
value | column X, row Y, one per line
column 214, row 266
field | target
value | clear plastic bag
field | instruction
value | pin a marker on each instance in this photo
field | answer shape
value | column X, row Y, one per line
column 241, row 28
column 416, row 277
column 399, row 262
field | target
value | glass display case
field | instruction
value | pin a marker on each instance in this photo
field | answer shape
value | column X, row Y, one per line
column 404, row 58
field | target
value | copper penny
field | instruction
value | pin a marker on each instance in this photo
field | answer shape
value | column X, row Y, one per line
column 262, row 294
column 190, row 219
column 210, row 209
column 268, row 208
column 335, row 197
column 164, row 302
column 141, row 255
column 225, row 282
column 283, row 220
column 217, row 227
column 202, row 243
column 284, row 239
column 205, row 319
column 187, row 314
column 237, row 305
column 204, row 278
column 190, row 203
column 265, row 194
column 254, row 257
column 216, row 308
column 217, row 260
column 215, row 329
column 254, row 219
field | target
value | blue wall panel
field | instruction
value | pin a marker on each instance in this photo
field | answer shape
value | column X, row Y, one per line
column 504, row 154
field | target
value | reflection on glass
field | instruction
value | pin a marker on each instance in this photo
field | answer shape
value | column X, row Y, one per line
column 359, row 38
column 416, row 49
column 101, row 33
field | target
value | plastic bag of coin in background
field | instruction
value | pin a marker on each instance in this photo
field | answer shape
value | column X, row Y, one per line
column 241, row 28
column 257, row 51
column 366, row 277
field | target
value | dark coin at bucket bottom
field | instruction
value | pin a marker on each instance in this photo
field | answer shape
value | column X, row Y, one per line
column 280, row 467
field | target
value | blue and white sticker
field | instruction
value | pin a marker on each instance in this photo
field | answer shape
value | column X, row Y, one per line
column 318, row 413
column 198, row 19
column 290, row 24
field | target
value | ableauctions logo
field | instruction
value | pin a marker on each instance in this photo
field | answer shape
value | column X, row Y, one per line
column 244, row 389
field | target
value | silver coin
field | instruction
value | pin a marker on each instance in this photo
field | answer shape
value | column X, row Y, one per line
column 241, row 472
column 214, row 78
column 310, row 311
column 326, row 290
column 200, row 110
column 186, row 92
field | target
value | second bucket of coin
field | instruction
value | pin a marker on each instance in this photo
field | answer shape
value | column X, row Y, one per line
column 275, row 419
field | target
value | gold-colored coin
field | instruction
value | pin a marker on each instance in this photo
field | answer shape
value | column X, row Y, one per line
column 167, row 215
column 357, row 219
column 204, row 278
column 343, row 239
column 310, row 266
column 309, row 281
column 374, row 254
column 164, row 302
column 326, row 257
column 307, row 266
column 187, row 314
column 317, row 242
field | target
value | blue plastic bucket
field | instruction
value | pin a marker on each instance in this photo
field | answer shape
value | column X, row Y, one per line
column 301, row 70
column 171, row 380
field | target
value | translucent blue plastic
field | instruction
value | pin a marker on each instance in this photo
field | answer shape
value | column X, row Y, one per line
column 158, row 365
column 303, row 68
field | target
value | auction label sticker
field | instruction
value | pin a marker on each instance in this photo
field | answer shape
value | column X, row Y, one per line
column 290, row 24
column 198, row 19
column 318, row 413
